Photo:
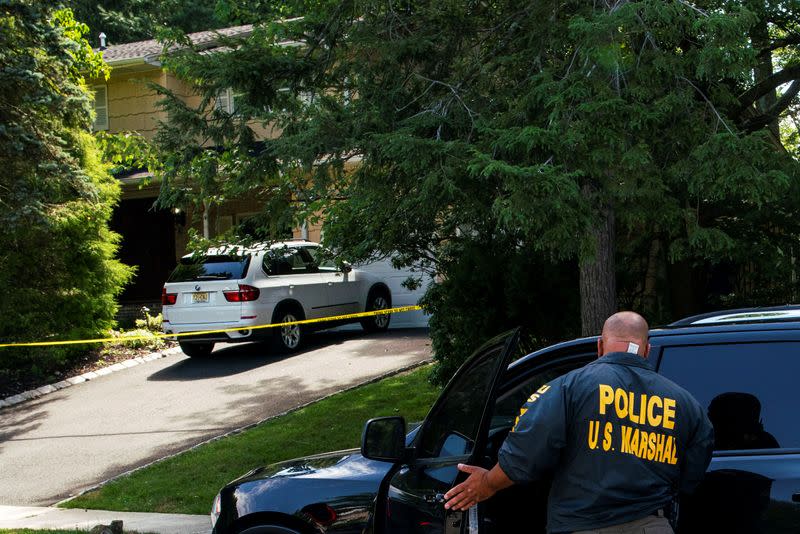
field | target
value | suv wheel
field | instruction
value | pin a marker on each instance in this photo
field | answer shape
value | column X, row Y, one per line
column 197, row 350
column 289, row 338
column 378, row 299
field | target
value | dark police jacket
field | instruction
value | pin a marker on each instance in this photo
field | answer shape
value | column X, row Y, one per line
column 619, row 439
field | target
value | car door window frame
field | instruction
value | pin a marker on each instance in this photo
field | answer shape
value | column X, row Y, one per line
column 504, row 344
column 305, row 256
column 325, row 266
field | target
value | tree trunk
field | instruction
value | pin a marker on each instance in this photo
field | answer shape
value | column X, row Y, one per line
column 598, row 281
column 650, row 295
column 759, row 34
column 206, row 222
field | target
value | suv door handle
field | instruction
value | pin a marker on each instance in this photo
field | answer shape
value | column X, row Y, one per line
column 435, row 498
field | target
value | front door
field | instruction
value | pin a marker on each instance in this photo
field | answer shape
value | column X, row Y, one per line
column 454, row 432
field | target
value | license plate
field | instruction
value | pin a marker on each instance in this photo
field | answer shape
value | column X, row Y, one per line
column 198, row 298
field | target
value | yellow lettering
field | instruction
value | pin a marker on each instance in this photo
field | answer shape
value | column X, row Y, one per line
column 643, row 440
column 652, row 419
column 660, row 448
column 594, row 430
column 634, row 418
column 651, row 446
column 669, row 413
column 606, row 397
column 635, row 441
column 626, row 439
column 668, row 450
column 674, row 459
column 543, row 388
column 533, row 397
column 607, row 436
column 522, row 412
column 621, row 403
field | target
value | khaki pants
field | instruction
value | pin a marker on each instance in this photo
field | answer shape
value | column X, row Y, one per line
column 647, row 525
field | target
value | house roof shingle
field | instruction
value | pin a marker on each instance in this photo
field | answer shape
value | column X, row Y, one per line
column 152, row 49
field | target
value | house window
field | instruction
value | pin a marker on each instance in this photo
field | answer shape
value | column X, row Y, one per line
column 306, row 98
column 224, row 223
column 226, row 101
column 100, row 107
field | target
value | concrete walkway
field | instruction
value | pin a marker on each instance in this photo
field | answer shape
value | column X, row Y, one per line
column 60, row 518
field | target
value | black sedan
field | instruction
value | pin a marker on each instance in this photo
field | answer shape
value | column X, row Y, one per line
column 395, row 484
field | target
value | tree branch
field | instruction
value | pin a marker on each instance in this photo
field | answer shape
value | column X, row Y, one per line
column 775, row 110
column 710, row 104
column 793, row 39
column 787, row 74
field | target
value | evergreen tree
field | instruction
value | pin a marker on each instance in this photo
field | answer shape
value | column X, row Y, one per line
column 125, row 21
column 507, row 144
column 58, row 274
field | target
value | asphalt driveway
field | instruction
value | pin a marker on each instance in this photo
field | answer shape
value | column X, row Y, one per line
column 64, row 442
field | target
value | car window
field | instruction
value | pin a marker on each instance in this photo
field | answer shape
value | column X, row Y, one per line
column 452, row 429
column 288, row 261
column 196, row 268
column 748, row 389
column 322, row 259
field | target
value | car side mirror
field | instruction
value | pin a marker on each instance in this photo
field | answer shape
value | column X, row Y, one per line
column 384, row 439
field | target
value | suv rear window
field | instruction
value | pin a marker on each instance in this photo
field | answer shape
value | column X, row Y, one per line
column 210, row 268
column 748, row 389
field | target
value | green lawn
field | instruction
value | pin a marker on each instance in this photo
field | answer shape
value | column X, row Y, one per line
column 188, row 482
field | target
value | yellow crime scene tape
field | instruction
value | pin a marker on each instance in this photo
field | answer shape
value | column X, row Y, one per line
column 220, row 331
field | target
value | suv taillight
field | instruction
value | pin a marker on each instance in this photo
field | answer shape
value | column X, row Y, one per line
column 244, row 294
column 168, row 298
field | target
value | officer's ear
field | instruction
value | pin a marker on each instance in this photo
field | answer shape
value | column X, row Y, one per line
column 599, row 346
column 646, row 351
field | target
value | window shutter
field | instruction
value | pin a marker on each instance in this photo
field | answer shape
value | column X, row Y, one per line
column 100, row 108
column 224, row 101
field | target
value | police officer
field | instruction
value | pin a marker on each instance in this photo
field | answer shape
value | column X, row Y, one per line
column 619, row 439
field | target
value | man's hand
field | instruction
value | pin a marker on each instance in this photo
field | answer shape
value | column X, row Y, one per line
column 479, row 486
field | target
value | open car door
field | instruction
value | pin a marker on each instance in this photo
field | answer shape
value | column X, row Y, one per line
column 455, row 431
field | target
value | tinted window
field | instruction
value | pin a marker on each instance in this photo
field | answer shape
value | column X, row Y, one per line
column 750, row 390
column 323, row 259
column 451, row 430
column 288, row 261
column 210, row 268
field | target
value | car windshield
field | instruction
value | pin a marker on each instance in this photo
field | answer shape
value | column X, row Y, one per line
column 192, row 269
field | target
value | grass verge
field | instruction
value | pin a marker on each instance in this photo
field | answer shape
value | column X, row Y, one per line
column 187, row 483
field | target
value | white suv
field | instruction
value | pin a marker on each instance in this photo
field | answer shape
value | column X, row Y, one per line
column 281, row 282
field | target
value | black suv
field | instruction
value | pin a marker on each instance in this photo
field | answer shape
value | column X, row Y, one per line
column 743, row 366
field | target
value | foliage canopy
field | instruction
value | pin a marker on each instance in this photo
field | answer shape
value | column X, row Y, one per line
column 516, row 149
column 125, row 21
column 57, row 266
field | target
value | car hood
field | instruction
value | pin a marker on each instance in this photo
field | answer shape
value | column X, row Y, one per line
column 335, row 490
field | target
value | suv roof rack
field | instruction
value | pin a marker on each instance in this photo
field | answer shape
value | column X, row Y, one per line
column 789, row 312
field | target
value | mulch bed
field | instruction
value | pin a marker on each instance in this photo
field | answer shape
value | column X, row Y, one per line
column 13, row 382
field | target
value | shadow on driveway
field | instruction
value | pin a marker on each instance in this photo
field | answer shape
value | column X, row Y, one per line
column 232, row 359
